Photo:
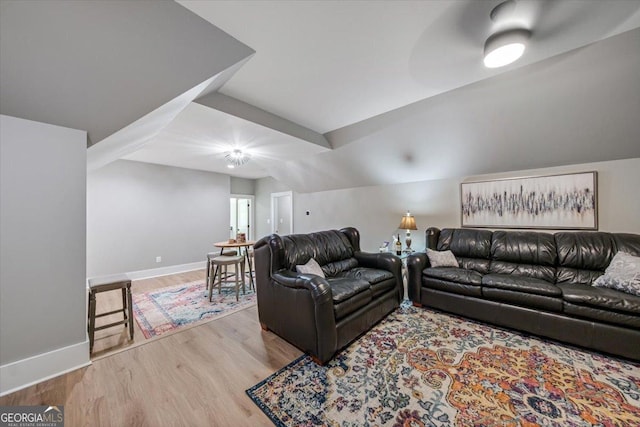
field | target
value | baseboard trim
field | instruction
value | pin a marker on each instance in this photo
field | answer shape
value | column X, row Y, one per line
column 162, row 271
column 35, row 369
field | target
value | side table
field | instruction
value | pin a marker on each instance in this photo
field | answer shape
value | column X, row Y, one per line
column 405, row 272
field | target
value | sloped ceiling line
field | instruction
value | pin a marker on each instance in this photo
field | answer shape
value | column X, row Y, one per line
column 99, row 66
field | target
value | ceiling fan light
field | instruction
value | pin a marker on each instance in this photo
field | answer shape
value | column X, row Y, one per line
column 504, row 48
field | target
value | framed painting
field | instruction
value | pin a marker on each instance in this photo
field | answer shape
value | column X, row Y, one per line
column 567, row 201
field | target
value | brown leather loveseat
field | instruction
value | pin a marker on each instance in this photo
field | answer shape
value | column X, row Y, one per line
column 320, row 315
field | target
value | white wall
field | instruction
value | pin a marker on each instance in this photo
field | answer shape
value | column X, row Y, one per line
column 263, row 189
column 42, row 251
column 376, row 210
column 138, row 211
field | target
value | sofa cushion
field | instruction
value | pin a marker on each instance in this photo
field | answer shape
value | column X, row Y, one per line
column 335, row 268
column 380, row 280
column 523, row 299
column 602, row 315
column 382, row 287
column 459, row 275
column 344, row 288
column 471, row 247
column 349, row 295
column 623, row 274
column 452, row 287
column 600, row 297
column 370, row 275
column 583, row 256
column 524, row 253
column 528, row 285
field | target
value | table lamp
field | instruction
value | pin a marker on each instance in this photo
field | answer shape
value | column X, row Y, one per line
column 408, row 223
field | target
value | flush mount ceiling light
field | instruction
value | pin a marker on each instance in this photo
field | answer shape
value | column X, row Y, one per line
column 236, row 158
column 505, row 47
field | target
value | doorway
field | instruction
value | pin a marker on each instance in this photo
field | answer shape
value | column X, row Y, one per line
column 282, row 213
column 241, row 215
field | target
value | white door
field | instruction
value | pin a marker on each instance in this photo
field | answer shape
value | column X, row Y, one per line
column 241, row 216
column 282, row 213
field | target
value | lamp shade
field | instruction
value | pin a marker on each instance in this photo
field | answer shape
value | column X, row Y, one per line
column 504, row 48
column 408, row 222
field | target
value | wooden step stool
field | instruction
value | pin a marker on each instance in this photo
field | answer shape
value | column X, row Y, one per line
column 104, row 284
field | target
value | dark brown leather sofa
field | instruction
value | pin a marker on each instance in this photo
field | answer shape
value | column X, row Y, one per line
column 322, row 315
column 534, row 282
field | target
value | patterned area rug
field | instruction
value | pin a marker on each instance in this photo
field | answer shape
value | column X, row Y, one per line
column 424, row 368
column 166, row 309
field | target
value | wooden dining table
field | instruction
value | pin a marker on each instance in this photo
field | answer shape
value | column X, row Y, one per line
column 243, row 247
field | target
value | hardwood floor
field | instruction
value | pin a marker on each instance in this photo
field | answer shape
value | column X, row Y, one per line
column 196, row 377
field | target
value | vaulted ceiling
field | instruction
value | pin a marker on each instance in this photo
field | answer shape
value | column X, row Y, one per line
column 329, row 64
column 337, row 94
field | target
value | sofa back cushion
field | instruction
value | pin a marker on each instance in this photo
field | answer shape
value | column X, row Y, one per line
column 583, row 256
column 330, row 248
column 629, row 243
column 333, row 268
column 524, row 253
column 472, row 248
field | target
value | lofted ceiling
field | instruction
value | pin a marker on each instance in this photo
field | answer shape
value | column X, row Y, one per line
column 336, row 93
column 329, row 64
column 334, row 66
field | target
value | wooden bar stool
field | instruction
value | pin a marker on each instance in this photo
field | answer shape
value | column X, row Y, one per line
column 251, row 262
column 210, row 266
column 104, row 284
column 221, row 263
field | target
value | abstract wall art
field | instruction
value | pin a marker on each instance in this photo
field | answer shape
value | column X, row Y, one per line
column 567, row 201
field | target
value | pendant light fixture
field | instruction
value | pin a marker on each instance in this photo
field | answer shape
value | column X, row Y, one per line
column 236, row 158
column 505, row 46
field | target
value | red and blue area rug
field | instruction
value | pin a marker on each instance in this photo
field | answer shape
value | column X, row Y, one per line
column 424, row 368
column 164, row 310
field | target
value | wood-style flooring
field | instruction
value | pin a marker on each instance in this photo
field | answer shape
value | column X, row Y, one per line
column 194, row 377
column 111, row 340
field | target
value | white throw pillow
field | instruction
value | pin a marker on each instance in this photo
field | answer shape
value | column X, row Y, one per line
column 442, row 258
column 622, row 274
column 311, row 267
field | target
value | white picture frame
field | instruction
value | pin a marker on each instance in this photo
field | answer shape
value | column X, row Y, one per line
column 566, row 201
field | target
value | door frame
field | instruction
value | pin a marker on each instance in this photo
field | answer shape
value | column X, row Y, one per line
column 252, row 212
column 274, row 196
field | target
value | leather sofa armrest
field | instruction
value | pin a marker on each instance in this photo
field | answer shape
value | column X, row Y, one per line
column 415, row 264
column 383, row 261
column 276, row 251
column 320, row 337
column 318, row 286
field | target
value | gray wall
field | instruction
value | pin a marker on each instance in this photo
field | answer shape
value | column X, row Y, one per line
column 42, row 243
column 376, row 210
column 243, row 186
column 138, row 211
